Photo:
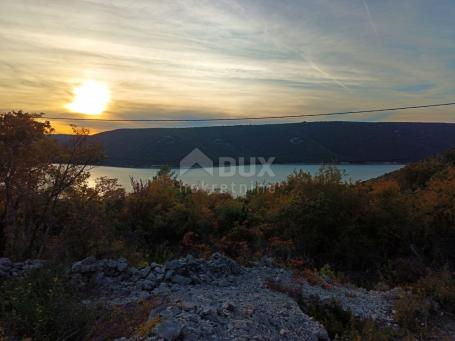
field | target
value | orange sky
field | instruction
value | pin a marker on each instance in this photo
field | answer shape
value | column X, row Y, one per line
column 196, row 59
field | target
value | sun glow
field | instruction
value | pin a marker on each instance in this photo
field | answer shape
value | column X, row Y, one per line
column 90, row 98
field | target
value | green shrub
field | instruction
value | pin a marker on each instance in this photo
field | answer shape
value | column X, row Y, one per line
column 439, row 287
column 330, row 314
column 403, row 271
column 327, row 273
column 123, row 321
column 343, row 325
column 42, row 306
column 430, row 296
column 413, row 313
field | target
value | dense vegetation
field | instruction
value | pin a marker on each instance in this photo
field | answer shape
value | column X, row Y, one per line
column 398, row 229
column 312, row 142
column 43, row 306
column 404, row 220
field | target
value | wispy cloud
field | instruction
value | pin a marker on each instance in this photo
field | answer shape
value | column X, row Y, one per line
column 228, row 58
column 370, row 18
column 415, row 88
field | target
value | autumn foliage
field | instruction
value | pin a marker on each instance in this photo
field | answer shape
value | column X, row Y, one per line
column 393, row 228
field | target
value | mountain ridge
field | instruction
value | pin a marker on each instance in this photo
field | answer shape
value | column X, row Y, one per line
column 304, row 142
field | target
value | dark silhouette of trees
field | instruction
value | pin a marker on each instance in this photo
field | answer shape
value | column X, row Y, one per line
column 35, row 172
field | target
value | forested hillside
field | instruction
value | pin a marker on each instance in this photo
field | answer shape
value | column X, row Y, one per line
column 311, row 142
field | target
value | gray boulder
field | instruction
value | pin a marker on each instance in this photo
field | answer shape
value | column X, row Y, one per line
column 181, row 280
column 144, row 272
column 169, row 330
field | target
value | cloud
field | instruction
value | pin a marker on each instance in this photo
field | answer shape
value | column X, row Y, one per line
column 415, row 88
column 229, row 58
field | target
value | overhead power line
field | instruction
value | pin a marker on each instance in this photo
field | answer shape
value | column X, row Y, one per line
column 246, row 118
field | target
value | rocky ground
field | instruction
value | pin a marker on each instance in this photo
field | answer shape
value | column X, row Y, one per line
column 8, row 268
column 217, row 299
column 374, row 305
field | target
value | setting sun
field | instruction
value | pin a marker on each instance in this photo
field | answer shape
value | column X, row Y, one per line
column 90, row 98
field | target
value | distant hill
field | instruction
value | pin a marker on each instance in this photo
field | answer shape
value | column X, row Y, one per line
column 308, row 142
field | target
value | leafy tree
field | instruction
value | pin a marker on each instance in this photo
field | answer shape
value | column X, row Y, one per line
column 35, row 172
column 157, row 213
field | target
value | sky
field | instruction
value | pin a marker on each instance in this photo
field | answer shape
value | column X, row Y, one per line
column 219, row 58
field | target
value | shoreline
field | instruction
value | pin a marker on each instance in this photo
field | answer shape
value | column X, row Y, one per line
column 154, row 167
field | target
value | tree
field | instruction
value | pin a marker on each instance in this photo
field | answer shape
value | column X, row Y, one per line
column 35, row 171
